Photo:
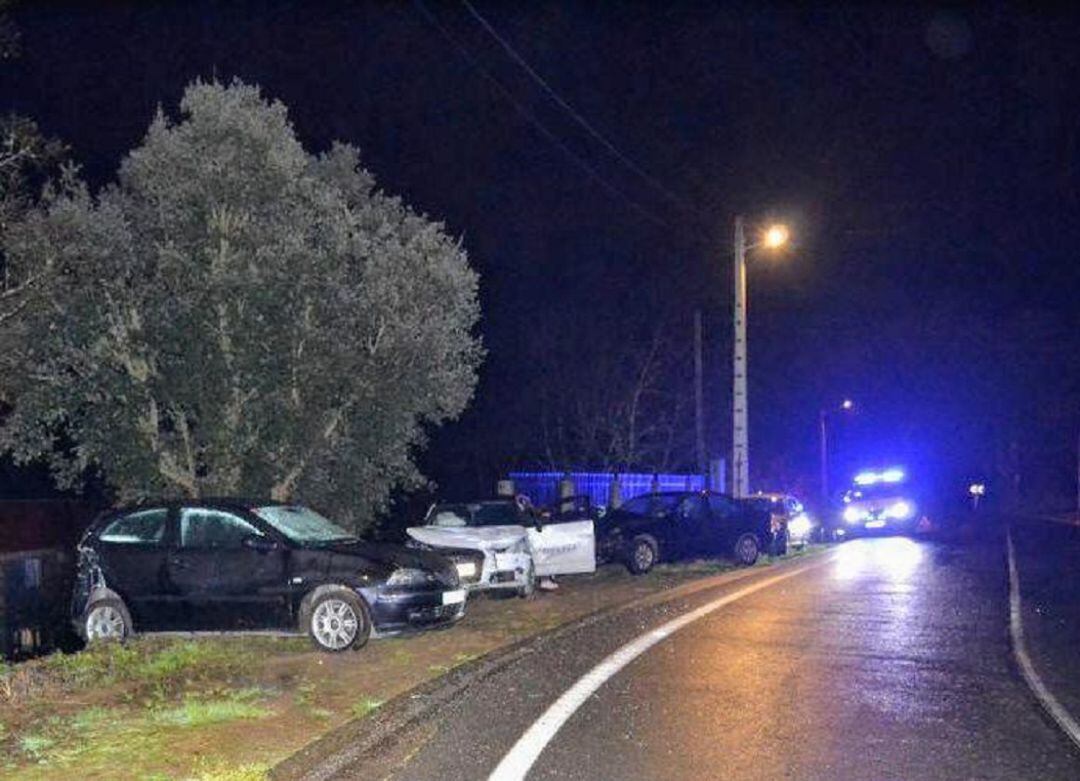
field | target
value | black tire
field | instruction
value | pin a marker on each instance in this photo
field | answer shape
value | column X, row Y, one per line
column 779, row 545
column 529, row 588
column 106, row 619
column 747, row 549
column 643, row 554
column 336, row 619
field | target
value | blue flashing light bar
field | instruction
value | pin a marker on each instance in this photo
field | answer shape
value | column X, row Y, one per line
column 894, row 475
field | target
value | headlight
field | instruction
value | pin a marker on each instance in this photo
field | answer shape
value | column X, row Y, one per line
column 466, row 569
column 799, row 526
column 899, row 510
column 409, row 576
column 853, row 514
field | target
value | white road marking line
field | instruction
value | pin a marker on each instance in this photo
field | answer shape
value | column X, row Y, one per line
column 1057, row 712
column 520, row 759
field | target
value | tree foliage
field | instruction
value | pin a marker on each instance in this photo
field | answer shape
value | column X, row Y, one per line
column 237, row 315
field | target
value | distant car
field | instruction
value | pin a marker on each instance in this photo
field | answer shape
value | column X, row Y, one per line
column 517, row 543
column 670, row 526
column 791, row 524
column 879, row 502
column 240, row 565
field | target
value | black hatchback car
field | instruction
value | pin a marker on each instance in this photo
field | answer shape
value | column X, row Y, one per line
column 682, row 525
column 253, row 565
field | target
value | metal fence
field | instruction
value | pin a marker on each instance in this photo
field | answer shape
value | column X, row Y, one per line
column 543, row 487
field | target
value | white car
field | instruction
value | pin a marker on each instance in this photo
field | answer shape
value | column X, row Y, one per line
column 518, row 545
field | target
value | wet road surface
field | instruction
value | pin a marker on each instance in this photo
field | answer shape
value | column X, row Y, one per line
column 885, row 659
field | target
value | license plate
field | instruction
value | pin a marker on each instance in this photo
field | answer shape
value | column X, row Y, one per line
column 875, row 524
column 453, row 597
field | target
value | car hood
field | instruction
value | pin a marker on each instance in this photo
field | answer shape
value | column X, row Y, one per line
column 482, row 538
column 385, row 555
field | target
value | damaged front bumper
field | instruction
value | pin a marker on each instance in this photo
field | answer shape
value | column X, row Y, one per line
column 394, row 611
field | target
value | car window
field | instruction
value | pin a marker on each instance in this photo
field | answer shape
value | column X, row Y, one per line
column 722, row 506
column 204, row 528
column 145, row 527
column 652, row 505
column 692, row 508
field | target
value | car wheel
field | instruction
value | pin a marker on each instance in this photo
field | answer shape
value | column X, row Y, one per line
column 643, row 555
column 104, row 620
column 336, row 620
column 747, row 550
column 529, row 588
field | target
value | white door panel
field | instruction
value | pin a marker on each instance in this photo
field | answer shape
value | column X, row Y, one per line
column 563, row 548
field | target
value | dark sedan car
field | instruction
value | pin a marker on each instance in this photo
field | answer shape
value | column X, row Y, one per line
column 253, row 565
column 682, row 525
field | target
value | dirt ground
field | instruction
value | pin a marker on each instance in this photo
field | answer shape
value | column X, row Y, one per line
column 228, row 708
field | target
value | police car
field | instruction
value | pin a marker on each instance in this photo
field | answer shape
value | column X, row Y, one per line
column 878, row 502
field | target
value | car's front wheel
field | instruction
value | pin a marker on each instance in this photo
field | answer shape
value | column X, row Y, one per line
column 106, row 619
column 337, row 619
column 747, row 550
column 528, row 587
column 643, row 555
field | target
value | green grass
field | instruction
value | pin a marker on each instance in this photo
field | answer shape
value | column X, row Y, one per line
column 36, row 746
column 365, row 707
column 228, row 772
column 199, row 713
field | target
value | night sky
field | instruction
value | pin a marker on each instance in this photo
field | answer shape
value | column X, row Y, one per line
column 925, row 156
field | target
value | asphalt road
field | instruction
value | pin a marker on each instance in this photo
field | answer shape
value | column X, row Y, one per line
column 886, row 659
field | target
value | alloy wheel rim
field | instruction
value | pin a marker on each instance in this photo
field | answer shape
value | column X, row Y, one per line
column 104, row 623
column 643, row 556
column 335, row 624
column 747, row 549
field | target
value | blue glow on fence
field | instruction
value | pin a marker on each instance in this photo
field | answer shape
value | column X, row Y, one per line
column 543, row 487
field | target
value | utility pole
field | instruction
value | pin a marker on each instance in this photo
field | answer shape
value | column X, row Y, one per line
column 699, row 399
column 740, row 445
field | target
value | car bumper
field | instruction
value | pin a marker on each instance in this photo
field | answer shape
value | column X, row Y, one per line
column 396, row 611
column 878, row 526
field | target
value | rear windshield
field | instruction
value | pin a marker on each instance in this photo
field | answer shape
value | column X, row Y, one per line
column 653, row 505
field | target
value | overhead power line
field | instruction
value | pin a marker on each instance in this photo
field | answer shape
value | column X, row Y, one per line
column 574, row 114
column 536, row 123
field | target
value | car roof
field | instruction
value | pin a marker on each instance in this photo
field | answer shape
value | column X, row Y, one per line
column 220, row 502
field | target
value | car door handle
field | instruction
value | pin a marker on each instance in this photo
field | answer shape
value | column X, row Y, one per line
column 179, row 563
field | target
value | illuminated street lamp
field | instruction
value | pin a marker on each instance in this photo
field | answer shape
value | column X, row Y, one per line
column 774, row 237
column 847, row 405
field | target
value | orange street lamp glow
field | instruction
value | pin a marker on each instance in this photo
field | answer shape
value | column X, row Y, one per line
column 776, row 236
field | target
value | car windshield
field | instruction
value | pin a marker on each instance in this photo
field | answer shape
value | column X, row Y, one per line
column 478, row 514
column 879, row 491
column 302, row 524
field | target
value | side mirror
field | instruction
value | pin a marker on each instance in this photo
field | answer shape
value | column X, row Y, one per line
column 257, row 543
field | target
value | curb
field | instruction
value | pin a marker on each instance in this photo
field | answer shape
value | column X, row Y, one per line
column 343, row 746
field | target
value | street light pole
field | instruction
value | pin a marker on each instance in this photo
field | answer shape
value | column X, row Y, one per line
column 824, row 460
column 846, row 406
column 740, row 446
